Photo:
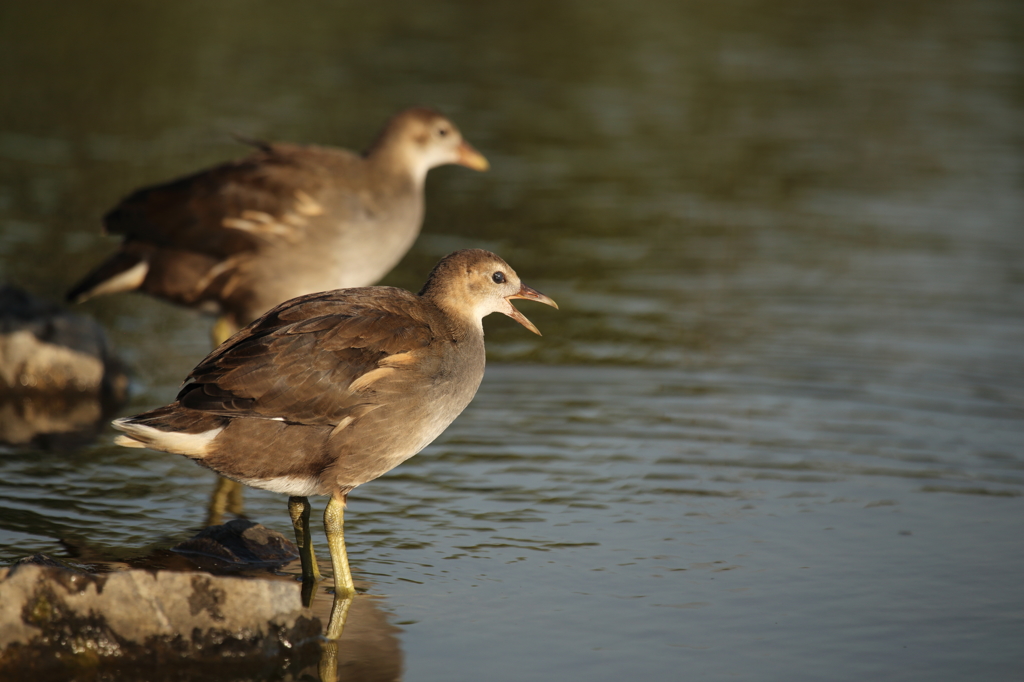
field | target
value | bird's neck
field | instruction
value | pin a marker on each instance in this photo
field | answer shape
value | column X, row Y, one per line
column 395, row 165
column 460, row 325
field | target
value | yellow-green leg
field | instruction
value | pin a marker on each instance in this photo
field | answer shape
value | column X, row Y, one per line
column 222, row 330
column 226, row 497
column 334, row 525
column 235, row 502
column 344, row 587
column 298, row 509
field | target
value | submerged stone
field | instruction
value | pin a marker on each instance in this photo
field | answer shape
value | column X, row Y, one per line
column 241, row 542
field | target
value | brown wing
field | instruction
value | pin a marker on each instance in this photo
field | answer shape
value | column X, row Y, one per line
column 311, row 360
column 193, row 234
column 228, row 209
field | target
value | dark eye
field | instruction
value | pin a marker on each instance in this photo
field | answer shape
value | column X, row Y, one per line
column 498, row 277
column 442, row 131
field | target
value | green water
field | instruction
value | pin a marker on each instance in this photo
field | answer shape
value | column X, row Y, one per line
column 774, row 431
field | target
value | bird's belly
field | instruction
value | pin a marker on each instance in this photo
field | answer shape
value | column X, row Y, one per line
column 337, row 259
column 386, row 437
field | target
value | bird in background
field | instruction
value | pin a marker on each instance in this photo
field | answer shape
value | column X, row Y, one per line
column 243, row 236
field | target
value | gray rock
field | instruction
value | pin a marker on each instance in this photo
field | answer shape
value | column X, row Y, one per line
column 57, row 624
column 44, row 348
column 59, row 379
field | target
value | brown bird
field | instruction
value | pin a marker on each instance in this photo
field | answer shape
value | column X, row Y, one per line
column 288, row 220
column 331, row 390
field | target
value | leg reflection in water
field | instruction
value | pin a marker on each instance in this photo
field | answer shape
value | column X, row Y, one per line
column 359, row 638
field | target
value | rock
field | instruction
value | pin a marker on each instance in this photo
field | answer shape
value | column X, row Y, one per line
column 45, row 349
column 241, row 542
column 43, row 560
column 58, row 624
column 59, row 379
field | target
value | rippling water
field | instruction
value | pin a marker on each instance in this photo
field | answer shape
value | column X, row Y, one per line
column 774, row 431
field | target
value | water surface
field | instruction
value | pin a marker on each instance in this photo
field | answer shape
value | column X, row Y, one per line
column 774, row 431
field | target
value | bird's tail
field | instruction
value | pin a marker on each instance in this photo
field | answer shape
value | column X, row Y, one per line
column 121, row 272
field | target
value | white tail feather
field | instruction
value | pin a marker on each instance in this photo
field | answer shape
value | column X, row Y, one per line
column 141, row 436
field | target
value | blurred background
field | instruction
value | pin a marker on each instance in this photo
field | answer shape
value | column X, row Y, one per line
column 775, row 429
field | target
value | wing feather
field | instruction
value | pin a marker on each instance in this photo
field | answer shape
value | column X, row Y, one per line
column 314, row 359
column 230, row 208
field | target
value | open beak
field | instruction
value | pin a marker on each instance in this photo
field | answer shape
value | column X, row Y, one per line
column 530, row 295
column 471, row 158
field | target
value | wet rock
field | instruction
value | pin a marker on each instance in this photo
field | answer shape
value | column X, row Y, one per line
column 45, row 348
column 241, row 542
column 137, row 621
column 58, row 624
column 44, row 560
column 58, row 374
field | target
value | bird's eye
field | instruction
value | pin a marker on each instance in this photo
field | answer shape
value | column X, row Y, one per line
column 498, row 277
column 442, row 131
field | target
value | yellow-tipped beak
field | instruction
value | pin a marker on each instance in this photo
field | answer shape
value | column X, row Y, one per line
column 529, row 294
column 471, row 158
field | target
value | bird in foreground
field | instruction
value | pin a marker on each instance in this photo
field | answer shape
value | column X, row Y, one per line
column 288, row 220
column 330, row 390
